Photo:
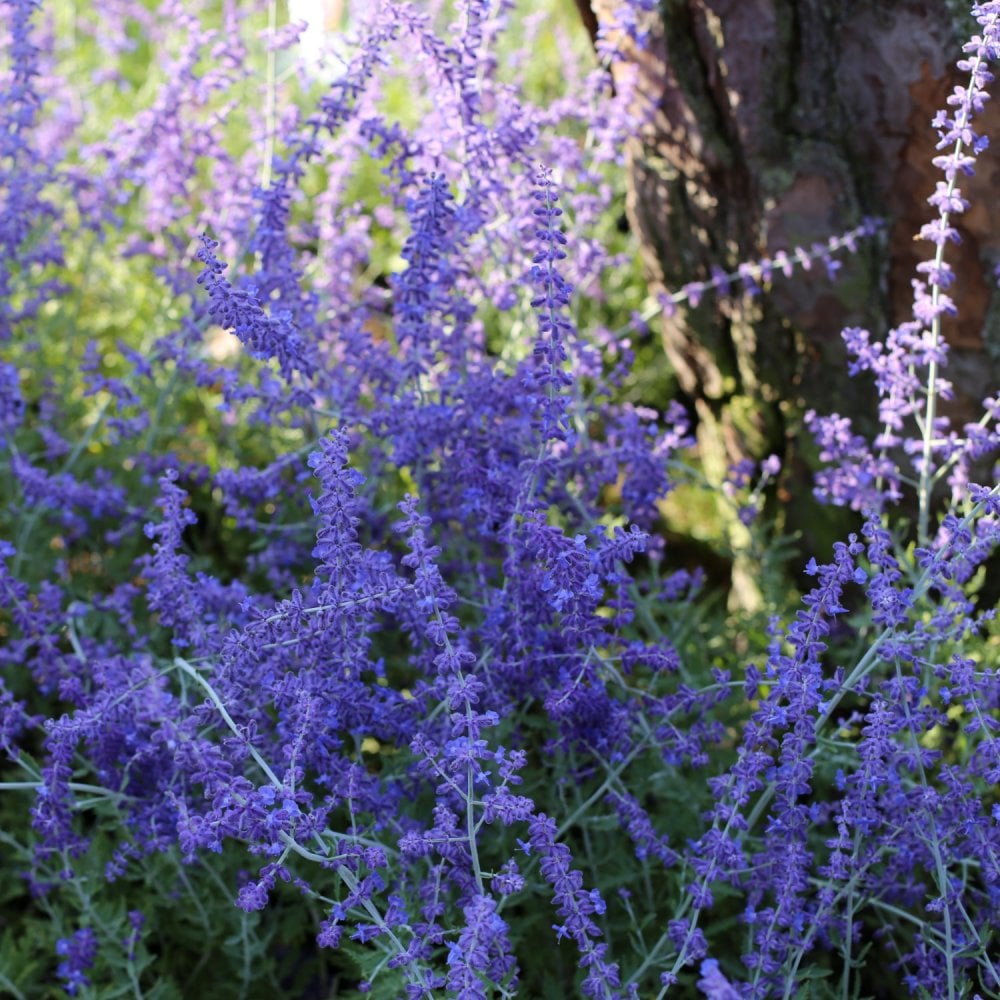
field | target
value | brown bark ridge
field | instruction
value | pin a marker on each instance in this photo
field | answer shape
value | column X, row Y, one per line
column 776, row 123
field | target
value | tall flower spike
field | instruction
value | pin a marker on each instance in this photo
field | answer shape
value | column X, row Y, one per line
column 482, row 953
column 907, row 366
column 420, row 292
column 551, row 302
column 714, row 984
column 954, row 130
column 24, row 172
column 172, row 594
column 239, row 310
column 337, row 548
column 77, row 954
column 576, row 907
column 279, row 275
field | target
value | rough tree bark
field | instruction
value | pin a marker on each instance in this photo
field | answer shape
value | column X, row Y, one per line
column 775, row 123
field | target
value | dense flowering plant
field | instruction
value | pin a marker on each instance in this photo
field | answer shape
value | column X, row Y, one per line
column 341, row 652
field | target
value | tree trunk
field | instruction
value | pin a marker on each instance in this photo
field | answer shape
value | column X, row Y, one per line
column 776, row 123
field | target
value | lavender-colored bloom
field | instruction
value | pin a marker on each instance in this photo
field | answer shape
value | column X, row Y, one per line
column 68, row 500
column 238, row 309
column 11, row 403
column 77, row 954
column 749, row 274
column 637, row 823
column 549, row 378
column 575, row 907
column 24, row 168
column 482, row 953
column 171, row 590
column 906, row 367
column 714, row 984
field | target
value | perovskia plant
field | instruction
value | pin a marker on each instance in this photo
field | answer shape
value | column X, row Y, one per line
column 342, row 652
